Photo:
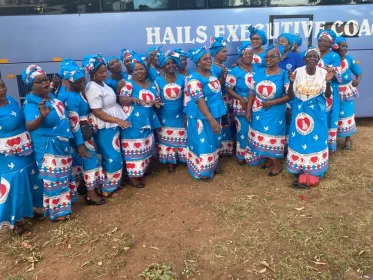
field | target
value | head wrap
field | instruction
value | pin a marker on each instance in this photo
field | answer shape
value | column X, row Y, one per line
column 92, row 62
column 108, row 59
column 138, row 58
column 253, row 30
column 181, row 52
column 151, row 49
column 64, row 63
column 289, row 37
column 30, row 73
column 298, row 39
column 311, row 49
column 196, row 54
column 73, row 73
column 330, row 34
column 217, row 44
column 124, row 53
column 337, row 41
column 243, row 47
column 163, row 58
column 279, row 49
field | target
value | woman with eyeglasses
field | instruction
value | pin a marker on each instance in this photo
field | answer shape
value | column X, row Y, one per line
column 239, row 81
column 330, row 59
column 258, row 39
column 266, row 112
column 48, row 125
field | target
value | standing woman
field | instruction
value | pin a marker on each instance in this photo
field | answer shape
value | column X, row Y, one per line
column 107, row 119
column 152, row 60
column 50, row 133
column 183, row 70
column 138, row 98
column 258, row 38
column 17, row 166
column 330, row 59
column 172, row 142
column 308, row 146
column 289, row 60
column 204, row 112
column 266, row 112
column 117, row 78
column 297, row 42
column 347, row 92
column 126, row 58
column 239, row 82
column 78, row 112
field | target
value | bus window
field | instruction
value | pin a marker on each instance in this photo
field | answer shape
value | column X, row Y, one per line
column 146, row 5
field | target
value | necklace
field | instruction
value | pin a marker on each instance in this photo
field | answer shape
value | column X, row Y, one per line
column 169, row 81
column 275, row 72
column 221, row 65
column 141, row 84
column 247, row 69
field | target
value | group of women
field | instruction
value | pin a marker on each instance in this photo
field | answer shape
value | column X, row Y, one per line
column 272, row 103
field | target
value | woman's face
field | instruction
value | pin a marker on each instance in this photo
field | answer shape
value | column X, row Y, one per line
column 100, row 74
column 272, row 58
column 78, row 85
column 2, row 90
column 184, row 62
column 283, row 42
column 222, row 55
column 205, row 62
column 115, row 66
column 170, row 66
column 41, row 84
column 139, row 71
column 343, row 47
column 256, row 41
column 324, row 43
column 127, row 64
column 247, row 57
column 311, row 59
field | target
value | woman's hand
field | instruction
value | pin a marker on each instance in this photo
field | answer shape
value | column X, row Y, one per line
column 243, row 102
column 157, row 103
column 123, row 123
column 267, row 104
column 43, row 109
column 355, row 83
column 82, row 151
column 248, row 115
column 330, row 74
column 215, row 126
column 138, row 101
column 224, row 73
column 121, row 84
column 292, row 76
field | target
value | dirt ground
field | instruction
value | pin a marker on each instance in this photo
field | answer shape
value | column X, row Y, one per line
column 243, row 225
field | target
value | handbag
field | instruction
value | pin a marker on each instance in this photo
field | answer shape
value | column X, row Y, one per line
column 86, row 130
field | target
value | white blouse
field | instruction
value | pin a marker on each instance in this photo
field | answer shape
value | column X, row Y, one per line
column 104, row 98
column 309, row 86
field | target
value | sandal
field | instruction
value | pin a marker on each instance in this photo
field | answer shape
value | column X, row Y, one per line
column 241, row 162
column 38, row 216
column 170, row 169
column 22, row 229
column 266, row 165
column 272, row 174
column 113, row 194
column 206, row 179
column 348, row 145
column 65, row 218
column 296, row 185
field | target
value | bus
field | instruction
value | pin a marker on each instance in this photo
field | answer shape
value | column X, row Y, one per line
column 44, row 32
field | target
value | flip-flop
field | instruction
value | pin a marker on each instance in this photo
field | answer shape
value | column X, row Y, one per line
column 296, row 185
column 206, row 179
column 66, row 218
column 272, row 174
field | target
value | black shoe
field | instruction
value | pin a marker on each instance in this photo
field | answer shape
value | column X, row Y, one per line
column 139, row 185
column 94, row 202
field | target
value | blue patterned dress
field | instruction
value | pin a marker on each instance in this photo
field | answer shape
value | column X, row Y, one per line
column 268, row 126
column 241, row 82
column 89, row 168
column 203, row 144
column 153, row 73
column 52, row 153
column 332, row 59
column 18, row 171
column 172, row 138
column 259, row 59
column 228, row 128
column 308, row 138
column 114, row 83
column 138, row 140
column 347, row 94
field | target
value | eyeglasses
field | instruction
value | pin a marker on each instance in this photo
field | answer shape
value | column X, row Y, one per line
column 255, row 39
column 270, row 56
column 41, row 81
column 324, row 41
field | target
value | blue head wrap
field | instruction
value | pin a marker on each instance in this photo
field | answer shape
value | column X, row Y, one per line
column 289, row 37
column 92, row 62
column 217, row 44
column 163, row 58
column 337, row 41
column 279, row 49
column 253, row 30
column 181, row 52
column 245, row 46
column 298, row 39
column 138, row 58
column 124, row 53
column 312, row 49
column 108, row 59
column 196, row 54
column 328, row 33
column 73, row 73
column 30, row 73
column 63, row 64
column 151, row 49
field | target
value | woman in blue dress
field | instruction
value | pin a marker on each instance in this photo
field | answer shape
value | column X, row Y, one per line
column 78, row 112
column 289, row 60
column 218, row 50
column 330, row 59
column 17, row 166
column 297, row 42
column 258, row 39
column 50, row 133
column 204, row 112
column 308, row 140
column 126, row 58
column 266, row 112
column 183, row 70
column 117, row 78
column 139, row 97
column 154, row 71
column 60, row 87
column 347, row 93
column 107, row 120
column 171, row 136
column 239, row 82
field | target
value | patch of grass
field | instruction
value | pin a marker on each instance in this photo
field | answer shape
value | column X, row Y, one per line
column 158, row 272
column 237, row 211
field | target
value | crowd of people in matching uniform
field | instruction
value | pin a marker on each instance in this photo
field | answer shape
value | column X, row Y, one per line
column 274, row 103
